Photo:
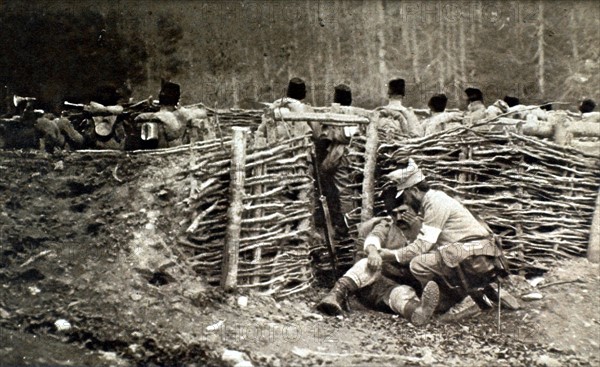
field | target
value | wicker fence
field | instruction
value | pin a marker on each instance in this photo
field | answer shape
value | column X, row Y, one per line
column 276, row 222
column 539, row 195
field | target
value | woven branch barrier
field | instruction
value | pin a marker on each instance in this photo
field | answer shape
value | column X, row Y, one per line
column 538, row 195
column 275, row 233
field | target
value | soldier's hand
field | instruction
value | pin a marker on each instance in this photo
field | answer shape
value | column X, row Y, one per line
column 374, row 261
column 387, row 255
column 409, row 217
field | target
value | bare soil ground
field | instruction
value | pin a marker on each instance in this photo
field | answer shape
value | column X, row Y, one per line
column 90, row 238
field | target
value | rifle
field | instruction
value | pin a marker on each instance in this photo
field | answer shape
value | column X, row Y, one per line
column 328, row 225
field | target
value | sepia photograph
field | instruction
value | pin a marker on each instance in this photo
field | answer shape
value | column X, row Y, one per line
column 247, row 183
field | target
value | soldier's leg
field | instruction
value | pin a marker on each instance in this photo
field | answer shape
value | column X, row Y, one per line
column 429, row 267
column 426, row 267
column 403, row 300
column 359, row 276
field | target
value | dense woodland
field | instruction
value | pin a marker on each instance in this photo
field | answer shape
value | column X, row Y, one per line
column 237, row 53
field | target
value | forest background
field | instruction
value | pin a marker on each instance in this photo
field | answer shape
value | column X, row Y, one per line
column 239, row 53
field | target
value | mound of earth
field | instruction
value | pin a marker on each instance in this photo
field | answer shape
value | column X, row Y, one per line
column 90, row 276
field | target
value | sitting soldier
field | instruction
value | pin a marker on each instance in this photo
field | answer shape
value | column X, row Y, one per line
column 451, row 237
column 385, row 286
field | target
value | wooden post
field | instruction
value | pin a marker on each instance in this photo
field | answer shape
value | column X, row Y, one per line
column 229, row 269
column 593, row 253
column 464, row 151
column 519, row 207
column 269, row 127
column 368, row 186
column 259, row 142
column 562, row 136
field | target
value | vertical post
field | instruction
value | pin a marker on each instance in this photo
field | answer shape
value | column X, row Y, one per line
column 562, row 136
column 269, row 126
column 259, row 142
column 368, row 186
column 229, row 268
column 593, row 253
column 464, row 151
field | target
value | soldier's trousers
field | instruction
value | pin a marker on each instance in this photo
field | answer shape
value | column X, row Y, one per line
column 379, row 291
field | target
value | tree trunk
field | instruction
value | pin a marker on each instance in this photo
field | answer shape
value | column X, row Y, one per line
column 463, row 50
column 415, row 52
column 540, row 50
column 573, row 37
column 313, row 80
column 383, row 72
column 440, row 58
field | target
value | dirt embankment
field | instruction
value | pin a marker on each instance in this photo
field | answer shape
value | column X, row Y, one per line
column 90, row 239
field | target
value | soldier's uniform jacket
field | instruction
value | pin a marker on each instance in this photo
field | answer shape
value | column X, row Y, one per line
column 475, row 113
column 394, row 117
column 447, row 227
column 533, row 113
column 590, row 117
column 441, row 121
column 173, row 124
column 286, row 130
column 391, row 237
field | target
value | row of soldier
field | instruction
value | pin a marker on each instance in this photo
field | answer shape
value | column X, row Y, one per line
column 150, row 125
column 142, row 125
column 395, row 118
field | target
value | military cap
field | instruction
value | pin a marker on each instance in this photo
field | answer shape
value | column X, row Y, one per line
column 396, row 87
column 342, row 95
column 407, row 177
column 296, row 89
column 438, row 103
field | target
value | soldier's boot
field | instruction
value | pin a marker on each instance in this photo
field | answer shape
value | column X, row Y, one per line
column 336, row 300
column 419, row 312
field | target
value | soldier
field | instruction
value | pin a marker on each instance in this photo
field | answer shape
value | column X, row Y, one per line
column 36, row 129
column 511, row 101
column 385, row 286
column 440, row 120
column 450, row 237
column 586, row 107
column 331, row 153
column 293, row 102
column 395, row 117
column 164, row 128
column 475, row 108
column 295, row 94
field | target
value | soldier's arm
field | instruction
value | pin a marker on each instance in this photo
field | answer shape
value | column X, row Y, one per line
column 436, row 213
column 405, row 254
column 414, row 126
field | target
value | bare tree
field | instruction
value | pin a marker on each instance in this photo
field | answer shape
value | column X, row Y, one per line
column 540, row 49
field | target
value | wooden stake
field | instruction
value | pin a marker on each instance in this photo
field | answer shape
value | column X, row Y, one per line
column 593, row 253
column 259, row 142
column 229, row 269
column 562, row 136
column 368, row 187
